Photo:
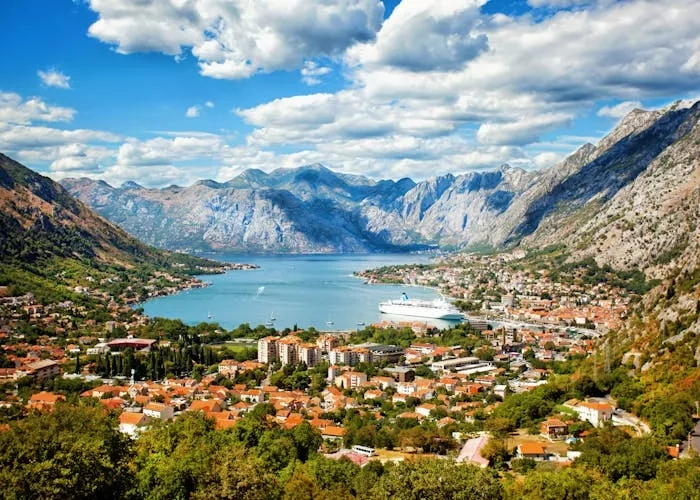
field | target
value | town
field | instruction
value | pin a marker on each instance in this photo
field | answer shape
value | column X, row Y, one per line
column 386, row 392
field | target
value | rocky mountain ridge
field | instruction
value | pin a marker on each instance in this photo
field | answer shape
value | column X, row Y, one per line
column 603, row 200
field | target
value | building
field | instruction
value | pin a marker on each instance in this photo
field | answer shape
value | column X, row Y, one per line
column 402, row 373
column 327, row 342
column 44, row 401
column 471, row 451
column 42, row 369
column 229, row 367
column 593, row 412
column 351, row 380
column 534, row 451
column 159, row 411
column 309, row 354
column 267, row 349
column 131, row 343
column 288, row 349
column 131, row 423
column 343, row 355
column 554, row 428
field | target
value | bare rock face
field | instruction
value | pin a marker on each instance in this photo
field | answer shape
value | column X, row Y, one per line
column 631, row 201
column 636, row 204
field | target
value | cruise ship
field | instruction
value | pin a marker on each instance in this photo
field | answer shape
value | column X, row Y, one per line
column 434, row 309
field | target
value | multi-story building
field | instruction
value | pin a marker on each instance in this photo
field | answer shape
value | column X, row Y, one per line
column 268, row 349
column 288, row 349
column 309, row 354
column 327, row 342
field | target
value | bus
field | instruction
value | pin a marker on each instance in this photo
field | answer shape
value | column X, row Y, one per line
column 363, row 450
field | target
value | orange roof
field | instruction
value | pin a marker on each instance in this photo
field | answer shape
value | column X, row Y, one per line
column 46, row 397
column 206, row 405
column 531, row 448
column 222, row 424
column 333, row 431
column 132, row 418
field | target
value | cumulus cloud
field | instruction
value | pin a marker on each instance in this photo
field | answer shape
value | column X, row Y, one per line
column 17, row 110
column 619, row 110
column 54, row 78
column 311, row 71
column 426, row 35
column 236, row 39
column 209, row 104
column 192, row 112
column 521, row 132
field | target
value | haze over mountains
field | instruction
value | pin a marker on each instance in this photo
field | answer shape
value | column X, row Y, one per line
column 604, row 200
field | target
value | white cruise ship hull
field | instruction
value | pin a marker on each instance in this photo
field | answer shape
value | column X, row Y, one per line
column 427, row 310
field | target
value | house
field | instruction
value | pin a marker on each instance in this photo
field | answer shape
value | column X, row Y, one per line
column 206, row 405
column 471, row 451
column 374, row 394
column 333, row 433
column 43, row 369
column 593, row 412
column 44, row 401
column 253, row 396
column 351, row 380
column 131, row 423
column 159, row 411
column 532, row 450
column 228, row 367
column 554, row 428
column 425, row 409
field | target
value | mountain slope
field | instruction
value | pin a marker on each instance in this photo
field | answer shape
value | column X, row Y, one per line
column 649, row 155
column 42, row 224
column 636, row 203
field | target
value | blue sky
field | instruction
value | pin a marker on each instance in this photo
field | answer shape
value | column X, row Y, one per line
column 171, row 91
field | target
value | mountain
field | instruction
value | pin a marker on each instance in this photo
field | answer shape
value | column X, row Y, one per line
column 310, row 209
column 43, row 228
column 602, row 201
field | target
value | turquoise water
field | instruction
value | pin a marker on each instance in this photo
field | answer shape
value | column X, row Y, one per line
column 306, row 290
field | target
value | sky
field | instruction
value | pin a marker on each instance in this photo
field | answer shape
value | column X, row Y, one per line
column 167, row 92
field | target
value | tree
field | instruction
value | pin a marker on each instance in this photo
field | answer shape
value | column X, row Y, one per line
column 236, row 476
column 496, row 452
column 173, row 458
column 306, row 439
column 434, row 479
column 72, row 452
column 567, row 484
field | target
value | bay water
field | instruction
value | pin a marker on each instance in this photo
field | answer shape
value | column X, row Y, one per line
column 288, row 290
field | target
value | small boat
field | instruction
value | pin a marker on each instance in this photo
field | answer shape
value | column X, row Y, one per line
column 209, row 316
column 360, row 323
column 330, row 321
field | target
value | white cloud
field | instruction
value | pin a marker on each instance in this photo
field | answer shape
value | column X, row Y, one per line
column 546, row 160
column 209, row 104
column 236, row 39
column 524, row 131
column 560, row 4
column 426, row 35
column 54, row 78
column 192, row 112
column 15, row 109
column 17, row 137
column 311, row 71
column 619, row 110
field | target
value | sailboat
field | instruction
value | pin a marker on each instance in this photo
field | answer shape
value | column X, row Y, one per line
column 330, row 321
column 270, row 322
column 209, row 316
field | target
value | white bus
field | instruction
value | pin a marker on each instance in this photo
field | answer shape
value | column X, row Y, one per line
column 363, row 450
